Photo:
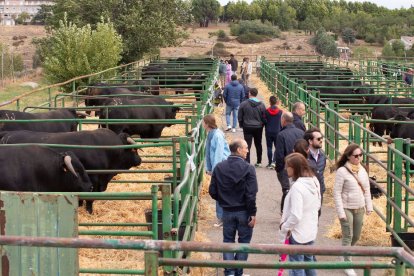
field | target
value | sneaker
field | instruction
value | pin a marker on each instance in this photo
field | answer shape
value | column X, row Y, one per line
column 258, row 165
column 233, row 130
column 269, row 166
column 273, row 165
column 228, row 128
column 350, row 272
column 218, row 223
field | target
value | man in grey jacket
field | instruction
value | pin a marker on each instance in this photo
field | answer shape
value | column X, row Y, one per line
column 252, row 119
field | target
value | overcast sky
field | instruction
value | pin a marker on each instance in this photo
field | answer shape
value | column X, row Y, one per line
column 391, row 4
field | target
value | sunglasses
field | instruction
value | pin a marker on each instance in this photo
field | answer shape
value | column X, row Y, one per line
column 319, row 139
column 357, row 155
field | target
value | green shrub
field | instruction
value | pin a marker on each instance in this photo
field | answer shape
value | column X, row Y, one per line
column 252, row 38
column 221, row 34
column 219, row 50
column 256, row 27
column 12, row 62
column 324, row 43
column 234, row 29
column 77, row 51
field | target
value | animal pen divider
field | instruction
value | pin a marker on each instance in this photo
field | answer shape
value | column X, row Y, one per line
column 174, row 199
column 327, row 114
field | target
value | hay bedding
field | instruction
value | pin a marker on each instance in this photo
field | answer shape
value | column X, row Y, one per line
column 125, row 210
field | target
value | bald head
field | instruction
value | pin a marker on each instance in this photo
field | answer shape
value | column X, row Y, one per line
column 287, row 118
column 239, row 147
column 299, row 109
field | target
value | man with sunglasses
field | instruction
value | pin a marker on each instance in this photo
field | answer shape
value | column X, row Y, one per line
column 316, row 157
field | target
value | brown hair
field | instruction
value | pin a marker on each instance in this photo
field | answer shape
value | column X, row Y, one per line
column 210, row 121
column 301, row 146
column 347, row 153
column 299, row 164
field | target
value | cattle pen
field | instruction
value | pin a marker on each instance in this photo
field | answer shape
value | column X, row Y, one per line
column 43, row 233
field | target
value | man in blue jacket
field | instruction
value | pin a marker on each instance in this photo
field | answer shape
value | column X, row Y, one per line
column 234, row 186
column 285, row 142
column 233, row 96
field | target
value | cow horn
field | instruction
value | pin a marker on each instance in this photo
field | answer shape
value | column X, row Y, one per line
column 82, row 114
column 68, row 163
column 131, row 141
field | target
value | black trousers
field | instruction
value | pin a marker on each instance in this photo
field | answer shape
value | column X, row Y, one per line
column 250, row 134
column 284, row 182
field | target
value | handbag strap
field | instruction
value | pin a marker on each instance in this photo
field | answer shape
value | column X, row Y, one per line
column 356, row 178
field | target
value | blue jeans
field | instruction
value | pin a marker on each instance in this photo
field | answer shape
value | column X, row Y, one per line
column 219, row 211
column 270, row 142
column 236, row 222
column 301, row 258
column 235, row 111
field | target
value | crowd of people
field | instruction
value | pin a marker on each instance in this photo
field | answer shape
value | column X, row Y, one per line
column 297, row 156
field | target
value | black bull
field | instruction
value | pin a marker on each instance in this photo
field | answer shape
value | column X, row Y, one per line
column 92, row 159
column 40, row 169
column 39, row 126
column 144, row 130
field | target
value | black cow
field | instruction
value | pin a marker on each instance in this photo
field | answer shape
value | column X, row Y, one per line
column 384, row 113
column 39, row 126
column 97, row 94
column 92, row 159
column 40, row 169
column 144, row 130
column 383, row 99
column 404, row 131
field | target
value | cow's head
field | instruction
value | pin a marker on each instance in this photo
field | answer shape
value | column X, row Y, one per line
column 78, row 177
column 395, row 126
column 131, row 157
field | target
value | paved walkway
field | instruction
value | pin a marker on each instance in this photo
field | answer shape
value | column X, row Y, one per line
column 268, row 218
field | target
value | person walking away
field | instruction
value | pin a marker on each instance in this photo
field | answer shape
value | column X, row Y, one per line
column 228, row 72
column 245, row 89
column 217, row 150
column 248, row 70
column 242, row 68
column 352, row 196
column 298, row 111
column 234, row 64
column 299, row 221
column 222, row 73
column 285, row 141
column 234, row 186
column 252, row 119
column 316, row 157
column 272, row 129
column 233, row 96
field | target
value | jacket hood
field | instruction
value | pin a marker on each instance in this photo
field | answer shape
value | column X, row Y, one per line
column 254, row 103
column 273, row 110
column 235, row 83
column 309, row 183
column 238, row 168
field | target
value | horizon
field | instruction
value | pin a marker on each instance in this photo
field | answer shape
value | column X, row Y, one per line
column 394, row 4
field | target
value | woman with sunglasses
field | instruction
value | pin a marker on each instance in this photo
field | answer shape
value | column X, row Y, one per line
column 352, row 196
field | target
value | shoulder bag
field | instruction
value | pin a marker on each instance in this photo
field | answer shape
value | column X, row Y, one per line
column 356, row 178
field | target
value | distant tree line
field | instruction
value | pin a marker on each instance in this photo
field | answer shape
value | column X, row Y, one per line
column 370, row 22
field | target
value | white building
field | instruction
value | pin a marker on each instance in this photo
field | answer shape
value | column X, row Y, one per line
column 408, row 42
column 10, row 9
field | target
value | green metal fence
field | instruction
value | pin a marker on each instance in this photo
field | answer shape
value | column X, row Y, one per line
column 340, row 129
column 174, row 200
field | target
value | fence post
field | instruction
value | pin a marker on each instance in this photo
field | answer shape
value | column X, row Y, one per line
column 399, row 268
column 397, row 187
column 151, row 263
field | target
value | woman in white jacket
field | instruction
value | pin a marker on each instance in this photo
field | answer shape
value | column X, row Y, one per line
column 299, row 221
column 352, row 196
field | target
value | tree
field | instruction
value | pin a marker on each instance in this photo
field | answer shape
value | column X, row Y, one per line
column 387, row 51
column 145, row 26
column 255, row 11
column 75, row 51
column 311, row 24
column 286, row 18
column 205, row 10
column 398, row 48
column 22, row 18
column 348, row 35
column 42, row 14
